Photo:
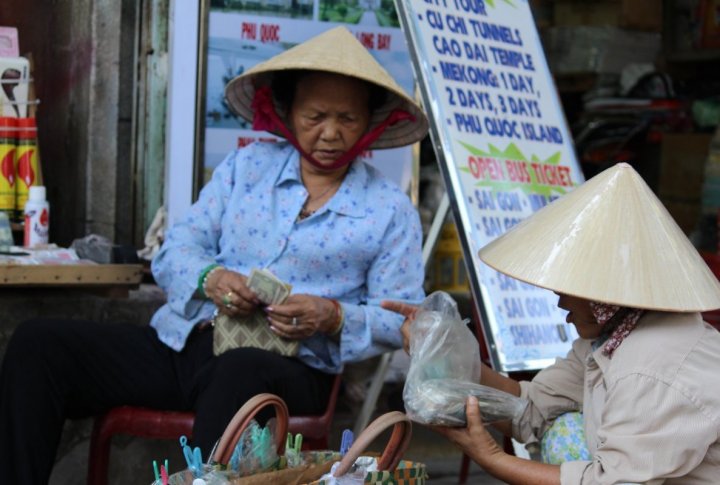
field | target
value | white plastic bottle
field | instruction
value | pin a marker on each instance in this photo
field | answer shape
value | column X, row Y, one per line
column 37, row 218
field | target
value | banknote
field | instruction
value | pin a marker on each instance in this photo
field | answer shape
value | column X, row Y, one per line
column 269, row 288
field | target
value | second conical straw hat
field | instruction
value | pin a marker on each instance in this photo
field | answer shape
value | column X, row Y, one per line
column 336, row 51
column 609, row 240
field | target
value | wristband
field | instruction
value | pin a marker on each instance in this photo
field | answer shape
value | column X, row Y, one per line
column 340, row 315
column 202, row 279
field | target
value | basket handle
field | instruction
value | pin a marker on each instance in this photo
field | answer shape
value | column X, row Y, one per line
column 394, row 450
column 242, row 419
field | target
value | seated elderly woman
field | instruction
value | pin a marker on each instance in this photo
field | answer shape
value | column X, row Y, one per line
column 645, row 371
column 306, row 209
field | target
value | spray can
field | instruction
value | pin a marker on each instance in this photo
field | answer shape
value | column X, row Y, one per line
column 7, row 165
column 37, row 217
column 27, row 165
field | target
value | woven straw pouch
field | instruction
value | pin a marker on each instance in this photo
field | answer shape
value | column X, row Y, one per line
column 252, row 331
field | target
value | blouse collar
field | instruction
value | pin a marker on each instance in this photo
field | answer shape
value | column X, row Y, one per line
column 349, row 200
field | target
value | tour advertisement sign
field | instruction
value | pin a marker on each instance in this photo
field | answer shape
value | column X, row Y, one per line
column 242, row 34
column 504, row 149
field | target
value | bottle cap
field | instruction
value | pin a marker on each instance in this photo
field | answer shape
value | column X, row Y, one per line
column 37, row 193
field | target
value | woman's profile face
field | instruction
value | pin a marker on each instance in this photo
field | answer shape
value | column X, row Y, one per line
column 329, row 113
column 580, row 314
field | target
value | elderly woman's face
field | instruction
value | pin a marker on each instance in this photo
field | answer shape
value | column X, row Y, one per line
column 329, row 114
column 580, row 315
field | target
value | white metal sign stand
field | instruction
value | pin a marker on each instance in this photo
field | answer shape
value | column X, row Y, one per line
column 503, row 148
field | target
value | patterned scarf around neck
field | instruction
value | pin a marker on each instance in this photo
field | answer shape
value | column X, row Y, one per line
column 604, row 313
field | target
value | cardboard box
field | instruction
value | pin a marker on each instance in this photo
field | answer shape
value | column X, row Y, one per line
column 644, row 15
column 599, row 49
column 710, row 18
column 542, row 11
column 682, row 165
column 686, row 214
column 570, row 13
column 641, row 15
column 9, row 45
column 682, row 169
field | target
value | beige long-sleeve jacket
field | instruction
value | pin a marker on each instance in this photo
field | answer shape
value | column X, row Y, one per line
column 652, row 412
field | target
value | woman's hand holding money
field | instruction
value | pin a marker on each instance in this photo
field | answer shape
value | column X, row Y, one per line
column 229, row 291
column 301, row 316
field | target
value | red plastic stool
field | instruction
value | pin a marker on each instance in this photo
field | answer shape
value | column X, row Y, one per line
column 153, row 423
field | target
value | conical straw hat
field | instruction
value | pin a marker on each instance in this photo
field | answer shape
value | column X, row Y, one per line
column 336, row 51
column 610, row 240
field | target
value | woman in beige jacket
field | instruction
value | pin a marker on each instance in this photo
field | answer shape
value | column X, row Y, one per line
column 645, row 371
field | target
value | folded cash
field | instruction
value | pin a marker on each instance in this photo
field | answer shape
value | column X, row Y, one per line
column 269, row 288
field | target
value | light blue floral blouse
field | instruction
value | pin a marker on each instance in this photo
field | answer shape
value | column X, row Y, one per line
column 363, row 246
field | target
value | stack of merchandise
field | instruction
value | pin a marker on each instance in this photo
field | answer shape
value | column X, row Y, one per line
column 19, row 161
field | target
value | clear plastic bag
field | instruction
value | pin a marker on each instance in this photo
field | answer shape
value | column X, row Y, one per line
column 255, row 451
column 445, row 369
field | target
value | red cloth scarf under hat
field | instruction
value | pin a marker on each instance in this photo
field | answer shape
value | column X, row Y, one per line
column 266, row 119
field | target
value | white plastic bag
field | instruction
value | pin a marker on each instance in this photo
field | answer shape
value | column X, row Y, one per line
column 445, row 369
column 356, row 476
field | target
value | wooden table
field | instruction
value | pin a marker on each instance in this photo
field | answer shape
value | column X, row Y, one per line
column 114, row 280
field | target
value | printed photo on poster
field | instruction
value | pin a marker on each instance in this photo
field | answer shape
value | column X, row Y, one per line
column 237, row 41
column 377, row 13
column 273, row 8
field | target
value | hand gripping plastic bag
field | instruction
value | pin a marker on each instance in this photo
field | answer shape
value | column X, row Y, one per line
column 445, row 369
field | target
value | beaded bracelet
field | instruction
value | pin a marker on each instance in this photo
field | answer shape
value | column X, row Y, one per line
column 207, row 278
column 202, row 279
column 340, row 318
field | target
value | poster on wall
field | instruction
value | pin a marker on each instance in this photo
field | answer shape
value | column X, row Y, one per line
column 242, row 33
column 504, row 149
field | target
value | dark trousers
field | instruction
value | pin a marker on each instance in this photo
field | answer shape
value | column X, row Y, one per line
column 58, row 369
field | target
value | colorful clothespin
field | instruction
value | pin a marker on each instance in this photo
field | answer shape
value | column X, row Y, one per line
column 164, row 474
column 193, row 457
column 346, row 441
column 155, row 470
column 288, row 442
column 262, row 442
column 292, row 450
column 295, row 445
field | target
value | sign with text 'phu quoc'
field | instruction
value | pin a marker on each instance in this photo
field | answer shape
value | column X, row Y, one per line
column 504, row 149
